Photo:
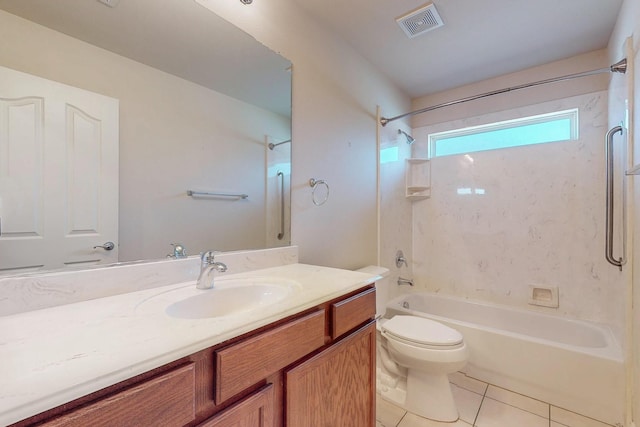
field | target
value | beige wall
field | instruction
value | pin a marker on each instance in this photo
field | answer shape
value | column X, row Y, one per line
column 628, row 26
column 335, row 94
column 174, row 136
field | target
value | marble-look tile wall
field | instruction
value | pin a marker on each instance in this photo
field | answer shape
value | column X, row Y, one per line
column 395, row 211
column 538, row 221
column 37, row 291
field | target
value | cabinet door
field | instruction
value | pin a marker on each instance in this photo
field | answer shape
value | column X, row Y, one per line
column 335, row 387
column 254, row 411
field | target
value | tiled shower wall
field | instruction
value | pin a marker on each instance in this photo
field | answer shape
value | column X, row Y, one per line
column 395, row 212
column 538, row 219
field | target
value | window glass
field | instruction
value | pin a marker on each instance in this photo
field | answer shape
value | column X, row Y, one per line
column 554, row 127
column 388, row 155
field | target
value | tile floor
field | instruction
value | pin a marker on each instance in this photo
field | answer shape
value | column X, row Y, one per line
column 485, row 405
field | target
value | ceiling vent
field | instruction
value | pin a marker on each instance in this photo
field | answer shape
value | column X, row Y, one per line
column 419, row 21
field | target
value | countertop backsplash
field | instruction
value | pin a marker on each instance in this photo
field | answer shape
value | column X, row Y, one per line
column 37, row 291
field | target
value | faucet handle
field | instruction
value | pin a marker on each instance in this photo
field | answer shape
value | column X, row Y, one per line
column 208, row 257
column 400, row 259
column 179, row 251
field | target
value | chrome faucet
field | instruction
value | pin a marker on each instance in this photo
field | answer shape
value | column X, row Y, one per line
column 179, row 251
column 208, row 268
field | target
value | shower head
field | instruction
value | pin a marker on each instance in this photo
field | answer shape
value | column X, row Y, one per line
column 271, row 145
column 410, row 139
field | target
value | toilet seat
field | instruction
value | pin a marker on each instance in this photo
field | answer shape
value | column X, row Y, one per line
column 421, row 332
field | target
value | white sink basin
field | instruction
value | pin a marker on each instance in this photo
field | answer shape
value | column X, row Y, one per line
column 232, row 296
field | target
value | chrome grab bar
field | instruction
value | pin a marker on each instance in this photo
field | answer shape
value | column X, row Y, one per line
column 281, row 233
column 609, row 205
column 208, row 193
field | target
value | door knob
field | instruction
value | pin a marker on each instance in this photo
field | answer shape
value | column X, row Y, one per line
column 107, row 246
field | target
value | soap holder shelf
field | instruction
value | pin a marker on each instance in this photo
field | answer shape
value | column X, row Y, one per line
column 633, row 171
column 418, row 179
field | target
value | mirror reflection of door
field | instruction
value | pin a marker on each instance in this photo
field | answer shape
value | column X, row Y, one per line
column 58, row 174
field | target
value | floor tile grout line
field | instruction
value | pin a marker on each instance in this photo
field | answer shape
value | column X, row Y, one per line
column 402, row 418
column 484, row 395
column 516, row 393
column 480, row 407
column 486, row 385
column 517, row 407
column 514, row 406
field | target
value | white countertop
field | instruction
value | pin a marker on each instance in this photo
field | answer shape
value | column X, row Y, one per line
column 51, row 356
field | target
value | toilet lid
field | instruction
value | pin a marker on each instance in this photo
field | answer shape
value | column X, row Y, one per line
column 422, row 331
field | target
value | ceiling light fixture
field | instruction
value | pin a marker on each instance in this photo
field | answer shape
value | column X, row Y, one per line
column 246, row 1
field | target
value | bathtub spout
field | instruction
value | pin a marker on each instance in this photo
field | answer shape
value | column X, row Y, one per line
column 403, row 281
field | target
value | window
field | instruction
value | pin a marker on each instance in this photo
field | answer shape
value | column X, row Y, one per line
column 388, row 155
column 553, row 127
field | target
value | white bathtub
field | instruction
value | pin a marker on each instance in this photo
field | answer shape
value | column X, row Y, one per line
column 571, row 364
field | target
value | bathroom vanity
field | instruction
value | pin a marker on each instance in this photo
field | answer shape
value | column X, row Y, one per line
column 308, row 360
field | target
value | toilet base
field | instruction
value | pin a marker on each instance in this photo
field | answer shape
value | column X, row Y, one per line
column 391, row 387
column 430, row 396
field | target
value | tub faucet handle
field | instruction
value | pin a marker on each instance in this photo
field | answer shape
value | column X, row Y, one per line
column 400, row 259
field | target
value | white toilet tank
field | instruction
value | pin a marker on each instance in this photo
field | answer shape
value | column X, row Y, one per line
column 382, row 286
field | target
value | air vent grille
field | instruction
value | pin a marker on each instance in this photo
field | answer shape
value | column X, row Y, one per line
column 419, row 21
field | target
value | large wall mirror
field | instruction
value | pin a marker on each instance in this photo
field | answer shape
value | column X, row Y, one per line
column 202, row 131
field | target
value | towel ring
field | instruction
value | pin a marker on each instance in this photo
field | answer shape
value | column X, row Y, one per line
column 314, row 183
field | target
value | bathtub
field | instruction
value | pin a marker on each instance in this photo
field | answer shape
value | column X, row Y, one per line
column 570, row 364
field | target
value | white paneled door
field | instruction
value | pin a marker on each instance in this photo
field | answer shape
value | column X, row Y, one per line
column 58, row 174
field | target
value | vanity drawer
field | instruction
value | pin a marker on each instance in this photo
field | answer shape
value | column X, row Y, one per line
column 352, row 312
column 255, row 410
column 246, row 363
column 168, row 400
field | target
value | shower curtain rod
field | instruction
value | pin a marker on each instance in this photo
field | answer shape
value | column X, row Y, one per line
column 272, row 145
column 618, row 67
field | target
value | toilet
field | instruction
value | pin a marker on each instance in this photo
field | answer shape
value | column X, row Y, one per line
column 414, row 357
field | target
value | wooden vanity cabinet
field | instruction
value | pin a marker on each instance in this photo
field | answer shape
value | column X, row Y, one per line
column 316, row 368
column 257, row 410
column 167, row 401
column 243, row 364
column 336, row 387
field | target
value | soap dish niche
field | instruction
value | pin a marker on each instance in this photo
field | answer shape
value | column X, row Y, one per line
column 545, row 296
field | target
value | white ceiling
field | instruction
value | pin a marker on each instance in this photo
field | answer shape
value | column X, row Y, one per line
column 479, row 39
